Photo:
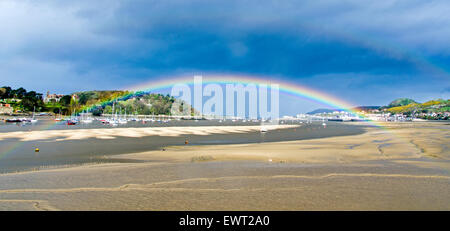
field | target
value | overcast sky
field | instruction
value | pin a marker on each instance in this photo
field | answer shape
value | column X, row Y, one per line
column 364, row 52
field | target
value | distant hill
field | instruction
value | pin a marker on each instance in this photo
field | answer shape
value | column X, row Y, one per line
column 322, row 110
column 432, row 106
column 366, row 108
column 125, row 101
column 401, row 102
column 326, row 110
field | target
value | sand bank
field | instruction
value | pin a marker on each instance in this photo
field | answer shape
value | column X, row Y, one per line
column 403, row 142
column 111, row 133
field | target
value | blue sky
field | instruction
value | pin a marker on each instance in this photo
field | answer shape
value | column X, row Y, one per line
column 364, row 52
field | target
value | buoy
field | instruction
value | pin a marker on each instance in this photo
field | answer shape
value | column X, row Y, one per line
column 36, row 150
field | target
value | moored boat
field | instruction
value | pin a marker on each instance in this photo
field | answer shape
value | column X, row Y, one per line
column 71, row 122
column 13, row 120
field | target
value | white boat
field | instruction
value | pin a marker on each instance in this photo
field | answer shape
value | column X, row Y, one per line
column 263, row 129
column 87, row 121
column 24, row 120
column 84, row 119
column 113, row 122
column 33, row 119
column 60, row 117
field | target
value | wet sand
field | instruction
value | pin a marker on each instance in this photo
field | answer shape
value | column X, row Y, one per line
column 91, row 145
column 404, row 167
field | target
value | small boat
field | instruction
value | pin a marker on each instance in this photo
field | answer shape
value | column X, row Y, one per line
column 14, row 120
column 263, row 129
column 57, row 119
column 113, row 122
column 24, row 120
column 71, row 122
column 33, row 119
column 336, row 119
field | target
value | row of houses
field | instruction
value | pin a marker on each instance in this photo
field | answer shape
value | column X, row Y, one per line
column 434, row 115
column 6, row 109
column 387, row 117
column 57, row 97
column 52, row 97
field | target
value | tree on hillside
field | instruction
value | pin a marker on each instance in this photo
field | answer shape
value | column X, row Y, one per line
column 19, row 93
column 84, row 97
column 401, row 102
column 65, row 100
column 5, row 92
column 31, row 101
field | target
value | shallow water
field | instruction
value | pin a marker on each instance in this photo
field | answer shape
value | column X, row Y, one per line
column 49, row 124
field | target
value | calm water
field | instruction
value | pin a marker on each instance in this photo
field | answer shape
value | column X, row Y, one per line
column 19, row 156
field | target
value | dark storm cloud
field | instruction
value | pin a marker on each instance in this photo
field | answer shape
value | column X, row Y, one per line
column 116, row 43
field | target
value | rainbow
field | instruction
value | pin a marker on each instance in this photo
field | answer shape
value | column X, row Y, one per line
column 286, row 87
column 289, row 88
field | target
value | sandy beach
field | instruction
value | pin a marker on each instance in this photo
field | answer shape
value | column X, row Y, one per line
column 403, row 166
column 111, row 133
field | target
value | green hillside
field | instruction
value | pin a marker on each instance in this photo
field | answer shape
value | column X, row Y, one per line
column 432, row 106
column 401, row 102
column 96, row 102
column 141, row 103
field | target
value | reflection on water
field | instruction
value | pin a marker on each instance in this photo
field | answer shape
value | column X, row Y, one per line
column 48, row 124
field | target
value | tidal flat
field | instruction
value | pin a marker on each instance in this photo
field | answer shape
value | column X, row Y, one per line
column 398, row 166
